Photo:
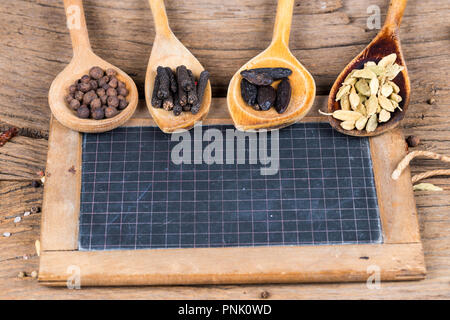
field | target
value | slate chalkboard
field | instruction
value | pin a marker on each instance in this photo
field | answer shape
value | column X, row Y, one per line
column 135, row 197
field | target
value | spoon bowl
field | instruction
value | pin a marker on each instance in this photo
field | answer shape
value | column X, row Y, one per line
column 386, row 42
column 168, row 51
column 276, row 55
column 83, row 60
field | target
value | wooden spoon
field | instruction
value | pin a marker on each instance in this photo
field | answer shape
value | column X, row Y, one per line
column 386, row 42
column 276, row 55
column 168, row 51
column 83, row 60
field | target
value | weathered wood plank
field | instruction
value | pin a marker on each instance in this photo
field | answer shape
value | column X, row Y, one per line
column 325, row 36
column 22, row 157
column 35, row 46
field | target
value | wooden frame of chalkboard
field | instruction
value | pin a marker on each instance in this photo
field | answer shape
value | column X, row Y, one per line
column 399, row 257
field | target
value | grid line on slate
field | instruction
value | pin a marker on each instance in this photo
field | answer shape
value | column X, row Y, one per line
column 134, row 197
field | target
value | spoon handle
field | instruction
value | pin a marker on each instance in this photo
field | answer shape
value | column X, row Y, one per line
column 283, row 21
column 160, row 18
column 76, row 22
column 395, row 14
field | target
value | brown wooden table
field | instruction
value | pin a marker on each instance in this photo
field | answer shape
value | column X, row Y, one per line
column 35, row 47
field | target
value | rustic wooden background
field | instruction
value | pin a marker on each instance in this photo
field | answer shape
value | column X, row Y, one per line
column 35, row 47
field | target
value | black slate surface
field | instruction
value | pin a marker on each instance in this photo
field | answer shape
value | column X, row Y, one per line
column 135, row 197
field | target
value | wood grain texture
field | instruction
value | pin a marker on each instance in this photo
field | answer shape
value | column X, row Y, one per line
column 326, row 35
column 400, row 257
column 235, row 265
column 62, row 189
column 398, row 213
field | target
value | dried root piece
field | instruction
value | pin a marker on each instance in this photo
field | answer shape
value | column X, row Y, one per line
column 184, row 81
column 178, row 91
column 177, row 108
column 164, row 83
column 168, row 103
column 156, row 102
column 182, row 95
column 173, row 80
column 201, row 87
column 192, row 95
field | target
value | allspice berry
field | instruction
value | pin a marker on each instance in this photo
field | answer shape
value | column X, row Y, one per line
column 35, row 209
column 123, row 104
column 79, row 95
column 98, row 114
column 89, row 96
column 113, row 101
column 113, row 82
column 413, row 141
column 96, row 73
column 111, row 72
column 96, row 103
column 84, row 87
column 111, row 92
column 122, row 91
column 101, row 92
column 36, row 184
column 83, row 112
column 111, row 112
column 96, row 95
column 104, row 99
column 265, row 295
column 72, row 89
column 103, row 81
column 69, row 98
column 75, row 104
column 94, row 84
column 85, row 79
